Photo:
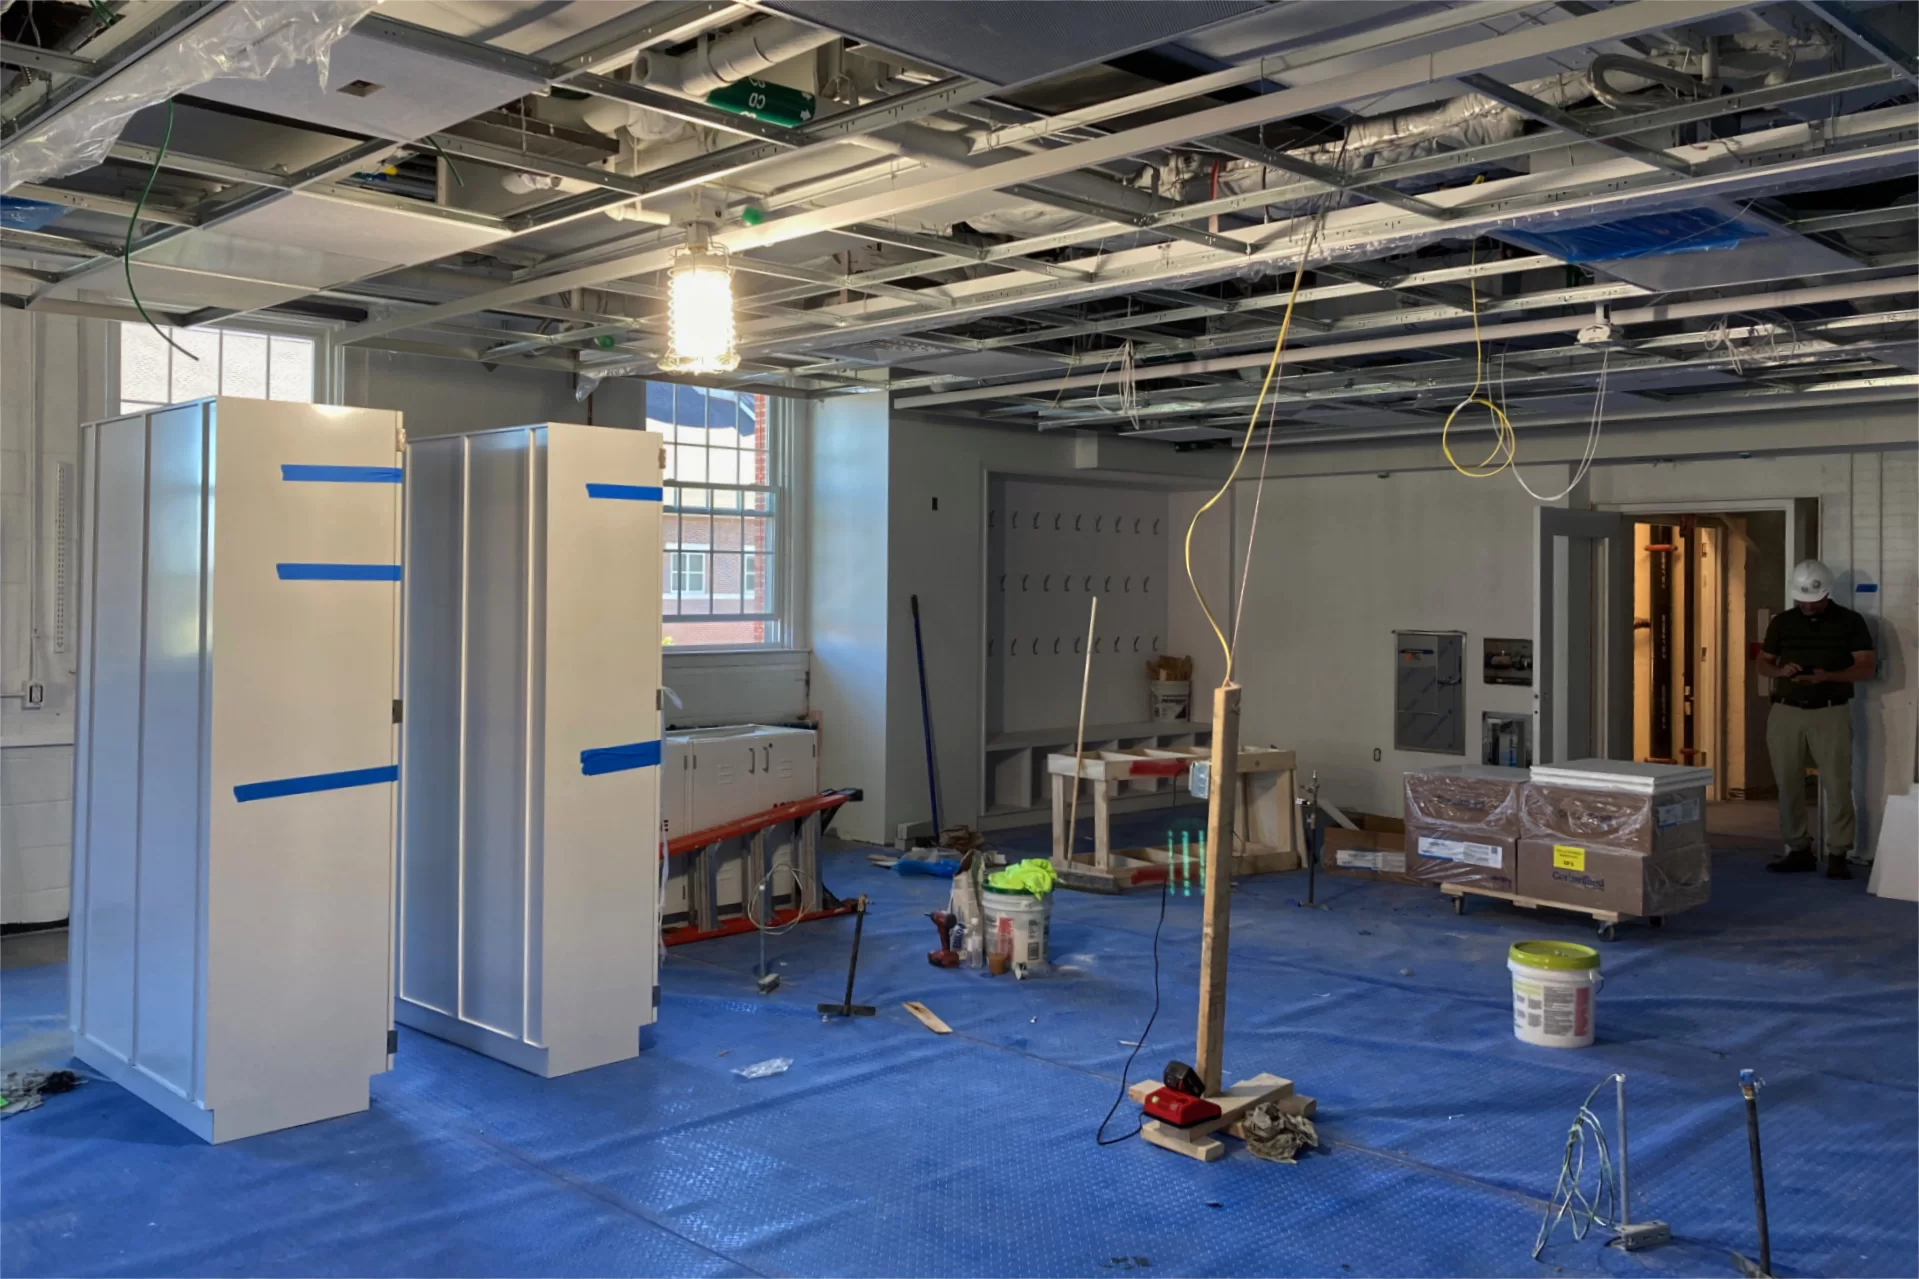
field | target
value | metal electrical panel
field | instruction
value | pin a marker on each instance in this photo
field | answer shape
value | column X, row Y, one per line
column 238, row 595
column 1428, row 698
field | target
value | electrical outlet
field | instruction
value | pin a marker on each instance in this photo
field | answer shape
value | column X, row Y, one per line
column 36, row 696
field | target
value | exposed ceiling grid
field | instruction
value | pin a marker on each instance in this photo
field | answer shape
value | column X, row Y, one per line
column 995, row 206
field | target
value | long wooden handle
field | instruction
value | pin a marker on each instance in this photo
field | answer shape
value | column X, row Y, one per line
column 1079, row 738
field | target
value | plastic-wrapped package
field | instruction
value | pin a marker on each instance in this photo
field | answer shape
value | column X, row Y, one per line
column 243, row 40
column 1459, row 855
column 1630, row 881
column 1472, row 798
column 1647, row 822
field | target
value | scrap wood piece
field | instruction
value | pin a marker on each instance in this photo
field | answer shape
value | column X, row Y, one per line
column 1206, row 1149
column 926, row 1017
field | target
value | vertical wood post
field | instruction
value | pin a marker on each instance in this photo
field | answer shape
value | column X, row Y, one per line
column 1222, row 794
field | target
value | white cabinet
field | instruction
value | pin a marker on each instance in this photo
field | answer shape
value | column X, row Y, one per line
column 233, row 812
column 529, row 858
column 731, row 773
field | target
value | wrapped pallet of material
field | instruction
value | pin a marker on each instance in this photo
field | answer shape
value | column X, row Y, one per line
column 1630, row 881
column 1462, row 825
column 1616, row 803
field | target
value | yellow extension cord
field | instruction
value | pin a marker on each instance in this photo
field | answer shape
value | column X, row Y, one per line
column 1272, row 367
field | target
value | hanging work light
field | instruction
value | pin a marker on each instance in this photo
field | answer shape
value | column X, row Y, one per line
column 699, row 308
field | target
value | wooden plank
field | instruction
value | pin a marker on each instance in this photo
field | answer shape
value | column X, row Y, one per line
column 1241, row 1097
column 1061, row 837
column 1103, row 825
column 926, row 1018
column 1533, row 903
column 1267, row 760
column 1207, row 1150
column 1222, row 798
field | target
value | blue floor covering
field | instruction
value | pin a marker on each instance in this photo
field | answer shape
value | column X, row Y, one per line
column 886, row 1150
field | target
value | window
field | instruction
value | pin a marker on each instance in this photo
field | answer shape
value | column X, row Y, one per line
column 724, row 499
column 261, row 366
column 685, row 573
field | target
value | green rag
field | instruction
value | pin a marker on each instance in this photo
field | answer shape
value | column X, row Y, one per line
column 1034, row 875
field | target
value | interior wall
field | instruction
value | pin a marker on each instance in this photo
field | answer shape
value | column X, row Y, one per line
column 940, row 554
column 847, row 583
column 1867, row 534
column 1341, row 563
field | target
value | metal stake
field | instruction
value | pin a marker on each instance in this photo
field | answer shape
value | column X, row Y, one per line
column 1647, row 1234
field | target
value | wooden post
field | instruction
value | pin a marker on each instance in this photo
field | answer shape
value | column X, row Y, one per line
column 1222, row 797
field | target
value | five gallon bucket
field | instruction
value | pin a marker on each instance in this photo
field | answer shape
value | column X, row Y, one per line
column 1555, row 984
column 1016, row 927
column 1170, row 698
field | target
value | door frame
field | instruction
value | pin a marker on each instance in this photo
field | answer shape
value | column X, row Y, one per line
column 1613, row 628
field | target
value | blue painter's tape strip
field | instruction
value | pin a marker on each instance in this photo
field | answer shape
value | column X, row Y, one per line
column 1867, row 588
column 617, row 759
column 338, row 572
column 625, row 492
column 295, row 473
column 316, row 782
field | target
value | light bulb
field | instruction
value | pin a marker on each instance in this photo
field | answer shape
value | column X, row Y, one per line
column 699, row 314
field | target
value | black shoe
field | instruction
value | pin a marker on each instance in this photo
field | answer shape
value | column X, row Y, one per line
column 1836, row 867
column 1796, row 860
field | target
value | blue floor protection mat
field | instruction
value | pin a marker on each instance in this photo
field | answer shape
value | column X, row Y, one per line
column 886, row 1150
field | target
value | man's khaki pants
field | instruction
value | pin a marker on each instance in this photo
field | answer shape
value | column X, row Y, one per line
column 1795, row 737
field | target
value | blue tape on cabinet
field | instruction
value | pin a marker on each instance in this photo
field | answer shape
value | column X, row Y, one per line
column 625, row 492
column 316, row 782
column 617, row 759
column 297, row 473
column 338, row 572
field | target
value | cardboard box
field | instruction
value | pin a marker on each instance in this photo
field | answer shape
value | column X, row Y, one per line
column 1478, row 798
column 1647, row 822
column 1365, row 854
column 1458, row 855
column 1629, row 881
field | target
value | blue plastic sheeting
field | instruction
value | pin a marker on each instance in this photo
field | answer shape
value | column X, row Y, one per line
column 887, row 1150
column 1650, row 235
column 698, row 406
column 20, row 214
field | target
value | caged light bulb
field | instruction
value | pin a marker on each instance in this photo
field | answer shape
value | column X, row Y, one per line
column 699, row 313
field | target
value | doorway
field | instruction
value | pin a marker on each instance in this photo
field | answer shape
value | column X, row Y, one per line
column 1706, row 584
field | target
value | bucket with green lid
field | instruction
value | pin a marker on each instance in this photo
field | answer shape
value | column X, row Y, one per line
column 1555, row 984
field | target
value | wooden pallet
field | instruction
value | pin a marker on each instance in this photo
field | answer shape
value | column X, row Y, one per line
column 1608, row 920
column 1196, row 1141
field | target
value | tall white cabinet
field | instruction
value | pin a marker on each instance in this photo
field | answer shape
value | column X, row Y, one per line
column 529, row 857
column 235, row 759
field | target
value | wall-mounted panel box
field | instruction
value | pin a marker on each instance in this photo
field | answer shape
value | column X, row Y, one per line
column 529, row 836
column 1428, row 693
column 231, row 945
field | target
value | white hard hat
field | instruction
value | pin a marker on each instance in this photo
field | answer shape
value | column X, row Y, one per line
column 1811, row 582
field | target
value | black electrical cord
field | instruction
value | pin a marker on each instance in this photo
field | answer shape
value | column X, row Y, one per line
column 451, row 167
column 133, row 225
column 1099, row 1134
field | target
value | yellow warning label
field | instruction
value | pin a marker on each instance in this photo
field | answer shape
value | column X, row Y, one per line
column 1568, row 857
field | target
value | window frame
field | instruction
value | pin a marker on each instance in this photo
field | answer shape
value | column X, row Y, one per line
column 779, row 617
column 327, row 356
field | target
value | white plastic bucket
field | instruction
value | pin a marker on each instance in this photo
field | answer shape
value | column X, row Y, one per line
column 1017, row 925
column 1555, row 988
column 1170, row 698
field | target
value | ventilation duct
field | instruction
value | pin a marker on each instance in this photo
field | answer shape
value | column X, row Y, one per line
column 716, row 63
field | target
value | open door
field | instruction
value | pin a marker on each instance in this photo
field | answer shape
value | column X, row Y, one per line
column 1582, row 635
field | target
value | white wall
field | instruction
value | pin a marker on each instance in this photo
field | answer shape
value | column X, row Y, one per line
column 1342, row 562
column 846, row 582
column 941, row 556
column 52, row 378
column 1346, row 558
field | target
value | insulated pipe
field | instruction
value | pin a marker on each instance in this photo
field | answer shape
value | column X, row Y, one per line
column 715, row 63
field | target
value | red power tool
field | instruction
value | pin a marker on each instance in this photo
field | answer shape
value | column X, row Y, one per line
column 945, row 956
column 1182, row 1101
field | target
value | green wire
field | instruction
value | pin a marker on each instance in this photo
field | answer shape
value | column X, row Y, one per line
column 133, row 224
column 451, row 167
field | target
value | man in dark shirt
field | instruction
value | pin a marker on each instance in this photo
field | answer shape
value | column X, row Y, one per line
column 1816, row 651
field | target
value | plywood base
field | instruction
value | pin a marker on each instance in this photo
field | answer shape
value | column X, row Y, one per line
column 1532, row 903
column 1197, row 1140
